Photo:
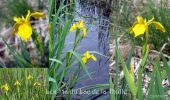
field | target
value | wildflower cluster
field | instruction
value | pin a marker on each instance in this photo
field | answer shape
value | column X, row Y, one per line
column 17, row 83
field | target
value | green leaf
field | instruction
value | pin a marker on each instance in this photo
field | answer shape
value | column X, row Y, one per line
column 129, row 78
column 144, row 59
column 52, row 80
column 55, row 60
column 166, row 66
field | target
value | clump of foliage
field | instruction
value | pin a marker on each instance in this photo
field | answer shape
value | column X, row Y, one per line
column 24, row 84
column 12, row 8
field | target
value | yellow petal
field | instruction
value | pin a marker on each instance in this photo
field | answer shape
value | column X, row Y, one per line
column 150, row 21
column 130, row 29
column 17, row 20
column 159, row 26
column 80, row 24
column 37, row 84
column 73, row 27
column 25, row 31
column 17, row 83
column 22, row 18
column 93, row 57
column 5, row 87
column 139, row 29
column 84, row 59
column 87, row 55
column 37, row 15
column 30, row 77
column 28, row 16
column 140, row 19
column 84, row 31
column 15, row 28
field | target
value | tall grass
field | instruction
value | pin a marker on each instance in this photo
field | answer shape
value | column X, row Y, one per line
column 27, row 88
column 60, row 62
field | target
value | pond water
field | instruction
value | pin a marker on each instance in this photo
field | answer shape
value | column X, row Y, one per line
column 96, row 40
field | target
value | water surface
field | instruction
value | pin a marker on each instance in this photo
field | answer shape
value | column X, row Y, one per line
column 96, row 40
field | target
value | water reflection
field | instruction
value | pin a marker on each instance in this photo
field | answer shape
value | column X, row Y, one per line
column 96, row 40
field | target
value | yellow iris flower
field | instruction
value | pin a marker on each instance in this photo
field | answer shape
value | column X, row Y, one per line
column 30, row 77
column 5, row 87
column 23, row 27
column 141, row 26
column 17, row 83
column 79, row 25
column 37, row 84
column 87, row 56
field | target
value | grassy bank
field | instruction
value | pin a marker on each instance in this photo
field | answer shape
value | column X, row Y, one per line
column 23, row 84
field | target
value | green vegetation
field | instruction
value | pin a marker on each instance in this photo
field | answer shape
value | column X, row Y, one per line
column 66, row 65
column 154, row 39
column 24, row 84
